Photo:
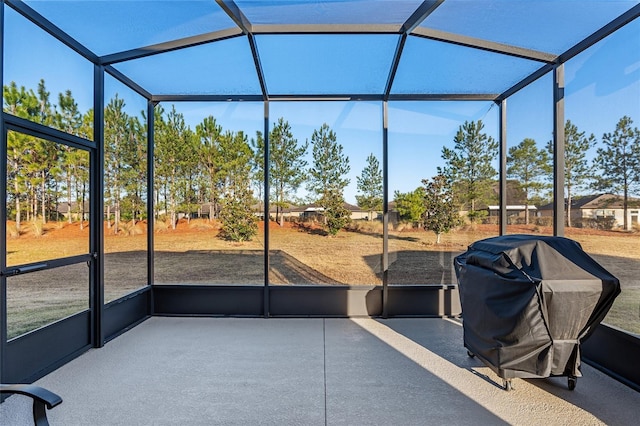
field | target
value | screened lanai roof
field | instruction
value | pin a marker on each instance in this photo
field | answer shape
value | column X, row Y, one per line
column 342, row 49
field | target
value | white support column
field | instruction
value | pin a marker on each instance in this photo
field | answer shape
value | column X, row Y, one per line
column 558, row 151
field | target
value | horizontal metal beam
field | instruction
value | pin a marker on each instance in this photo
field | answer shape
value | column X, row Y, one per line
column 40, row 131
column 207, row 98
column 39, row 20
column 489, row 46
column 327, row 98
column 128, row 82
column 444, row 97
column 46, row 264
column 326, row 29
column 391, row 97
column 169, row 46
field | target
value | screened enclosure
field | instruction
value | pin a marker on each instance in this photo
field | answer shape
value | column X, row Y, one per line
column 303, row 158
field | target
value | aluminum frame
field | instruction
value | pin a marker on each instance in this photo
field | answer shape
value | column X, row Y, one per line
column 558, row 151
column 502, row 222
column 552, row 63
column 410, row 27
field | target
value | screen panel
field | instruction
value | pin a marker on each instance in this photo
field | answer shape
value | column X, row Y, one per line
column 113, row 26
column 549, row 25
column 332, row 12
column 602, row 123
column 326, row 64
column 47, row 200
column 432, row 215
column 208, row 194
column 432, row 67
column 220, row 68
column 325, row 228
column 39, row 298
column 126, row 190
column 44, row 81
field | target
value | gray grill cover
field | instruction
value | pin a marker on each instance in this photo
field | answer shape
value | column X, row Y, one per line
column 528, row 301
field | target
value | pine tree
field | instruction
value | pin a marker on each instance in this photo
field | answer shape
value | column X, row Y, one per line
column 134, row 173
column 327, row 177
column 286, row 165
column 619, row 162
column 370, row 185
column 527, row 164
column 174, row 146
column 257, row 166
column 576, row 165
column 469, row 167
column 238, row 218
column 210, row 134
column 115, row 137
column 188, row 173
column 69, row 119
column 24, row 104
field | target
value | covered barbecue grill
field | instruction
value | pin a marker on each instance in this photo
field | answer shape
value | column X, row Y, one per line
column 527, row 303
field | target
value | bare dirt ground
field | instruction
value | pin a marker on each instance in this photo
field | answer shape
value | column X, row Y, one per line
column 194, row 254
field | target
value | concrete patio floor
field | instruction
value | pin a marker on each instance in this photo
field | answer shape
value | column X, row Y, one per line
column 237, row 371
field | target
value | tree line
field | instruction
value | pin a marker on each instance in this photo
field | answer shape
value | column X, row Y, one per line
column 209, row 166
column 41, row 173
column 468, row 178
column 224, row 170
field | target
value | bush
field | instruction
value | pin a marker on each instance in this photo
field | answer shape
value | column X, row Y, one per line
column 602, row 223
column 606, row 223
column 585, row 222
column 406, row 226
column 238, row 221
column 365, row 226
column 12, row 230
column 201, row 224
column 491, row 220
column 130, row 228
column 477, row 215
column 517, row 220
column 161, row 226
column 543, row 221
column 37, row 227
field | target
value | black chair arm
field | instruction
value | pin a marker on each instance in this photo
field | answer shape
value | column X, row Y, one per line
column 42, row 399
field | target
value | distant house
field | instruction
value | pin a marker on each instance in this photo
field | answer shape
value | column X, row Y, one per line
column 512, row 211
column 74, row 210
column 597, row 208
column 206, row 209
column 315, row 211
column 64, row 209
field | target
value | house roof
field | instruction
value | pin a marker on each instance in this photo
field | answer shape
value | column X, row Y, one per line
column 314, row 207
column 514, row 207
column 596, row 201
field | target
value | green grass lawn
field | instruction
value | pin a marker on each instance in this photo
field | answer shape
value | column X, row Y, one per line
column 625, row 313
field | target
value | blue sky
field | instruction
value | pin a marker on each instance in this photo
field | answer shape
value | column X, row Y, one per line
column 602, row 85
